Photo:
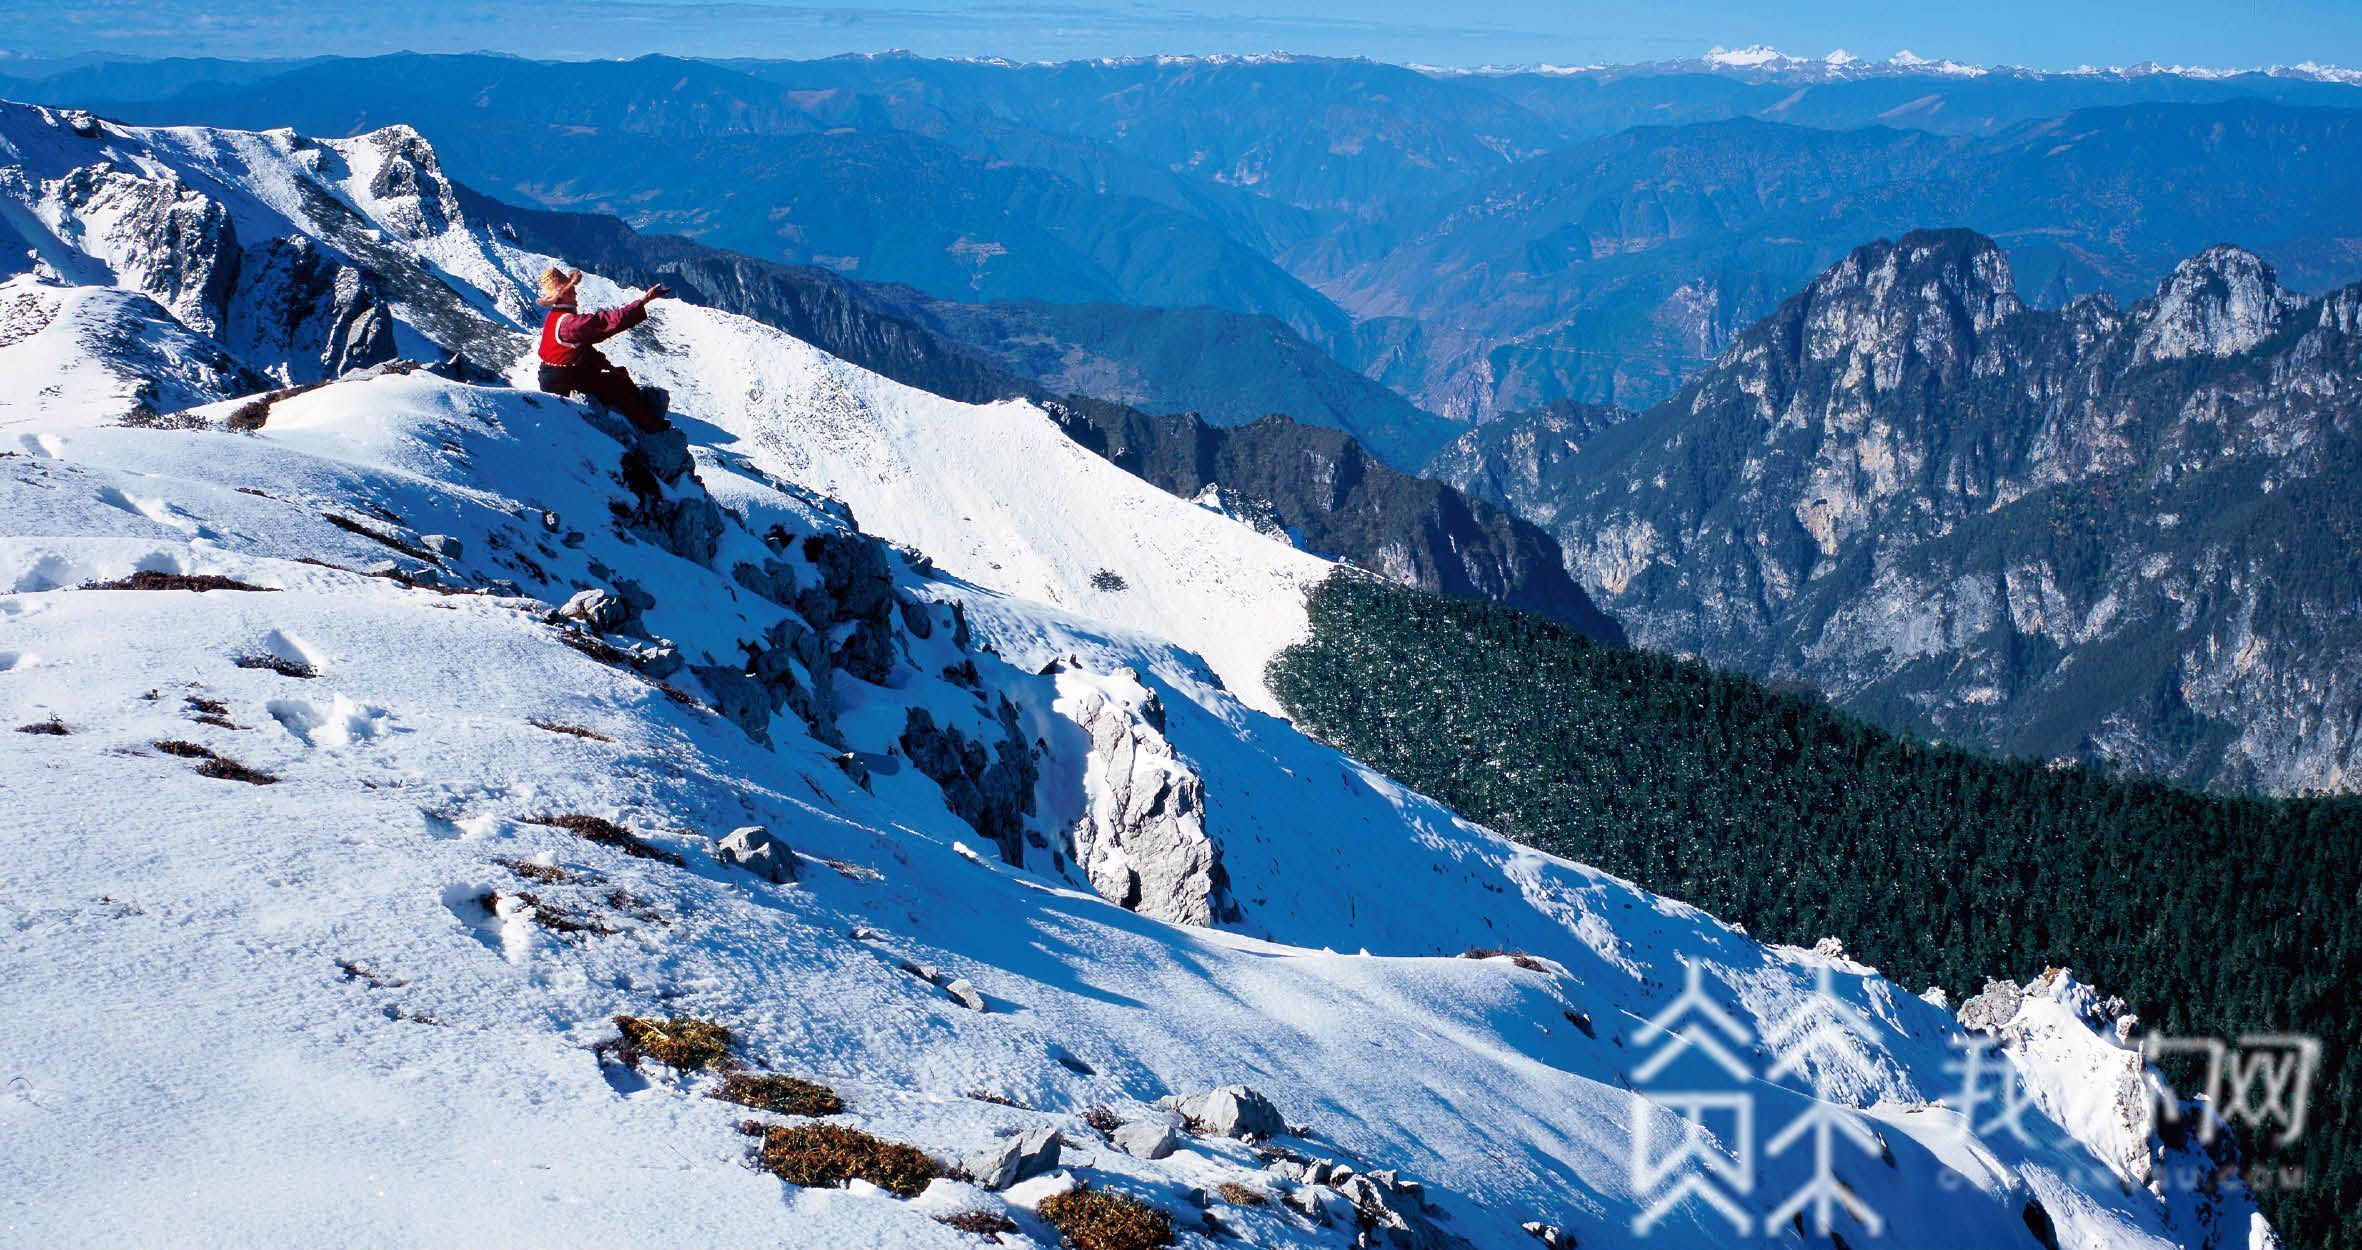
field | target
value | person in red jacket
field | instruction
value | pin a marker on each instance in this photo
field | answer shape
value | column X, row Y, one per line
column 570, row 358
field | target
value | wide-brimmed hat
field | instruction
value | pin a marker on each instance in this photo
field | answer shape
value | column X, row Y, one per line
column 557, row 284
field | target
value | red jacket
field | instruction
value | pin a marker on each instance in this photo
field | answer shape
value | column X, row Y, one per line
column 570, row 338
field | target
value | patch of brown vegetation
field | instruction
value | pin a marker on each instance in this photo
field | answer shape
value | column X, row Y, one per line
column 634, row 906
column 150, row 579
column 209, row 712
column 998, row 1100
column 351, row 526
column 607, row 833
column 682, row 1042
column 1095, row 1219
column 576, row 731
column 222, row 768
column 279, row 664
column 53, row 727
column 557, row 917
column 824, row 1156
column 1520, row 958
column 986, row 1224
column 250, row 416
column 779, row 1095
column 603, row 652
column 371, row 977
column 183, row 748
column 1239, row 1195
column 546, row 874
column 856, row 872
column 1103, row 1120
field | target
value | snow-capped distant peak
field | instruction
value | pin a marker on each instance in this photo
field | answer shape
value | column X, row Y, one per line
column 1750, row 57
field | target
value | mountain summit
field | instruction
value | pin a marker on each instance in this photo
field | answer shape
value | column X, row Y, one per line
column 2095, row 533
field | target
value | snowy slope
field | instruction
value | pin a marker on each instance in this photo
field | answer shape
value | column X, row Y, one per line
column 185, row 946
column 286, row 1014
column 102, row 353
column 995, row 494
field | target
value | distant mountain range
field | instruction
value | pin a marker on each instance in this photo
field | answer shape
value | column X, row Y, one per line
column 2127, row 536
column 1477, row 242
column 1234, row 237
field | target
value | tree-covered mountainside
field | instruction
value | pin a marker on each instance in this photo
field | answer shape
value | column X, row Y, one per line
column 2125, row 536
column 2213, row 915
column 1334, row 498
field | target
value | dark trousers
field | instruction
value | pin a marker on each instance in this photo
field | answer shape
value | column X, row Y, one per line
column 610, row 386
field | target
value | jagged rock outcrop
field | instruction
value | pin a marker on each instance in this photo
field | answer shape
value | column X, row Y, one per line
column 2222, row 302
column 1141, row 839
column 2105, row 535
column 291, row 301
column 2079, row 1057
column 990, row 787
column 285, row 307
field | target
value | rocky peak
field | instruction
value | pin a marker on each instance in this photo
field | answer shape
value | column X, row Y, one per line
column 2220, row 302
column 1893, row 314
column 412, row 194
column 1931, row 295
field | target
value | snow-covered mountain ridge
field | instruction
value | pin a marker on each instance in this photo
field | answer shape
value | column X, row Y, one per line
column 310, row 964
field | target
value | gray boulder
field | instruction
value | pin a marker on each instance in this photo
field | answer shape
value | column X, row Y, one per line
column 1550, row 1235
column 443, row 545
column 657, row 659
column 1152, row 1138
column 964, row 992
column 1322, row 1205
column 601, row 609
column 1235, row 1111
column 755, row 850
column 1013, row 1159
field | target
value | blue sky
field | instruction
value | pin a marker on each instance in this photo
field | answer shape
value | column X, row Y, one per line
column 2047, row 33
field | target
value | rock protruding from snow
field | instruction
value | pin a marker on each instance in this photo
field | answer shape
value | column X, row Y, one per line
column 1398, row 1210
column 1152, row 1137
column 1029, row 1154
column 754, row 849
column 2220, row 302
column 964, row 992
column 2072, row 1051
column 1234, row 1111
column 1141, row 839
column 990, row 789
column 1992, row 1009
column 599, row 608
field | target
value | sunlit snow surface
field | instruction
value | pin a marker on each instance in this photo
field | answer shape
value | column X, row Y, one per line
column 247, row 1015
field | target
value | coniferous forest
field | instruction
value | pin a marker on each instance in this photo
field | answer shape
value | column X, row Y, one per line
column 2212, row 915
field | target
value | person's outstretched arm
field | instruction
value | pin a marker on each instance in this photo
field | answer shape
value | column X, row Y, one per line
column 589, row 329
